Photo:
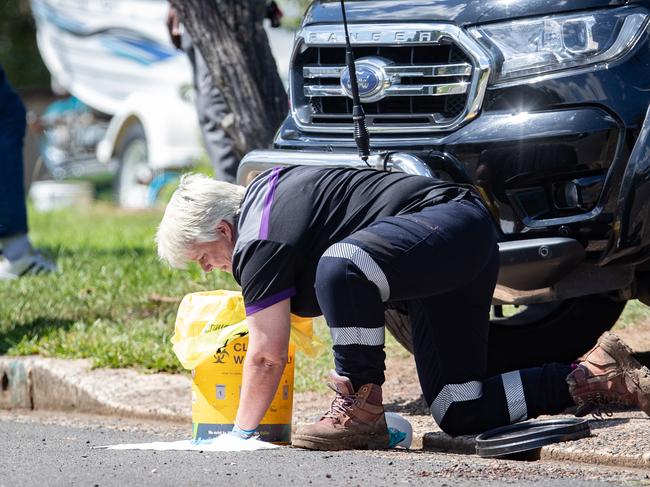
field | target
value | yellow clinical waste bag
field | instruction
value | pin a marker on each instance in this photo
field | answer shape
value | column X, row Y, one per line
column 210, row 339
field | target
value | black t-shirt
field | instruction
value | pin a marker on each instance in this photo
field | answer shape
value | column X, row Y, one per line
column 290, row 216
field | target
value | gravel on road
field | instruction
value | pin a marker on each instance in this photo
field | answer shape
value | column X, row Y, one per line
column 55, row 449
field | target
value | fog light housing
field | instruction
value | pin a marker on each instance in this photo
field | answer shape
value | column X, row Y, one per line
column 580, row 193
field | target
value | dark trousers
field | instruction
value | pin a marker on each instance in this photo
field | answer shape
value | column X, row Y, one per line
column 441, row 264
column 13, row 214
column 211, row 109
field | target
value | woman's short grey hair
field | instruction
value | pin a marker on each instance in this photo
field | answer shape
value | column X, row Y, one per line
column 196, row 207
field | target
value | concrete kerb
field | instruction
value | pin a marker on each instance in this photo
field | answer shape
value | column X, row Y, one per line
column 73, row 385
column 622, row 440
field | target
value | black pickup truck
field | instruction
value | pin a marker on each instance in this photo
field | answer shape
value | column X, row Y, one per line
column 543, row 105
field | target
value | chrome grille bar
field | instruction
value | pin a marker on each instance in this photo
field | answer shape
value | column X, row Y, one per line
column 437, row 70
column 428, row 90
column 398, row 90
column 322, row 71
column 324, row 90
column 433, row 70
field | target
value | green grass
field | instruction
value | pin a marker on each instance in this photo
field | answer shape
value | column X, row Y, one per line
column 311, row 372
column 634, row 313
column 104, row 303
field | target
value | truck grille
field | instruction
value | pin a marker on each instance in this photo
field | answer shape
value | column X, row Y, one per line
column 427, row 80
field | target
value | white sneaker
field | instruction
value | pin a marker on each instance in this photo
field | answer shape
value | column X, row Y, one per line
column 29, row 264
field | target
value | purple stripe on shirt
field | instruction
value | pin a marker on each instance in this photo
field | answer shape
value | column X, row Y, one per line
column 270, row 301
column 268, row 201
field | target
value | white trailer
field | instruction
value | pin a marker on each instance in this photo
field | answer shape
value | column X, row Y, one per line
column 116, row 57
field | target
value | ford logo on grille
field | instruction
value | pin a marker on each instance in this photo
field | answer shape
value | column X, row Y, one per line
column 370, row 78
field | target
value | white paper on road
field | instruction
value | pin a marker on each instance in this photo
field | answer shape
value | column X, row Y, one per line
column 223, row 442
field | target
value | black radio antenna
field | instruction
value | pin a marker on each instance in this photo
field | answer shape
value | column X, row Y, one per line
column 361, row 136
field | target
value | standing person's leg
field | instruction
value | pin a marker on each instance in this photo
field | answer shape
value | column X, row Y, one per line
column 18, row 256
column 13, row 213
column 211, row 109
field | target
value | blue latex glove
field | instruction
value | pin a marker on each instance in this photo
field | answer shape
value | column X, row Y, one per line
column 242, row 433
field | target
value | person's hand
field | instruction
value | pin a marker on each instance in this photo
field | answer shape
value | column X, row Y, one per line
column 174, row 27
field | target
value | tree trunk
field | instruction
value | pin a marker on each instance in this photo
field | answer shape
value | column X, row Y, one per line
column 230, row 36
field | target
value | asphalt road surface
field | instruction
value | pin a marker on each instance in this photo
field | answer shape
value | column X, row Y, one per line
column 55, row 449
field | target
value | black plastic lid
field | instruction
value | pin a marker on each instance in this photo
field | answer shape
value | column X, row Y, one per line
column 530, row 435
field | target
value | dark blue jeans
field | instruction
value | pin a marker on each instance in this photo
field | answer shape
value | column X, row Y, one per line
column 13, row 214
column 441, row 265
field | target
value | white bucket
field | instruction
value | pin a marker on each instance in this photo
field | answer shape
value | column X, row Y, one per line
column 401, row 425
column 54, row 195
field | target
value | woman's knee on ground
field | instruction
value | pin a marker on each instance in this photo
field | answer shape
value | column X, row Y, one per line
column 472, row 410
column 462, row 418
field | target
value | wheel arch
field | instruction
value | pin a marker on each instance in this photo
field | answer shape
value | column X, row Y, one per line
column 123, row 130
column 170, row 127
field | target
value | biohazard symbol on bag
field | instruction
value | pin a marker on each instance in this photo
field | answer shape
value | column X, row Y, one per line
column 220, row 357
column 207, row 321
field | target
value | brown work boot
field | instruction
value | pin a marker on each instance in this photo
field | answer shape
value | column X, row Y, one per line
column 355, row 420
column 609, row 375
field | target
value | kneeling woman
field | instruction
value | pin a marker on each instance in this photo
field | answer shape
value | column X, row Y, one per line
column 345, row 243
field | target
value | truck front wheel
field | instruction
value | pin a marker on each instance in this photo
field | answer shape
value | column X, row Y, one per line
column 550, row 332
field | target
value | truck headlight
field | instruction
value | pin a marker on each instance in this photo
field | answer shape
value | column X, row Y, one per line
column 524, row 48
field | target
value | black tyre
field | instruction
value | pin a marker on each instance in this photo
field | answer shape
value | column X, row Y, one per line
column 551, row 332
column 397, row 323
column 134, row 173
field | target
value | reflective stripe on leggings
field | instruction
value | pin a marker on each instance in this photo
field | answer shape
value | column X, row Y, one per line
column 351, row 335
column 514, row 390
column 452, row 393
column 364, row 262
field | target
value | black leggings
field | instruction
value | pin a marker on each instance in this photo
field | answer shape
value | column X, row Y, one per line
column 441, row 265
